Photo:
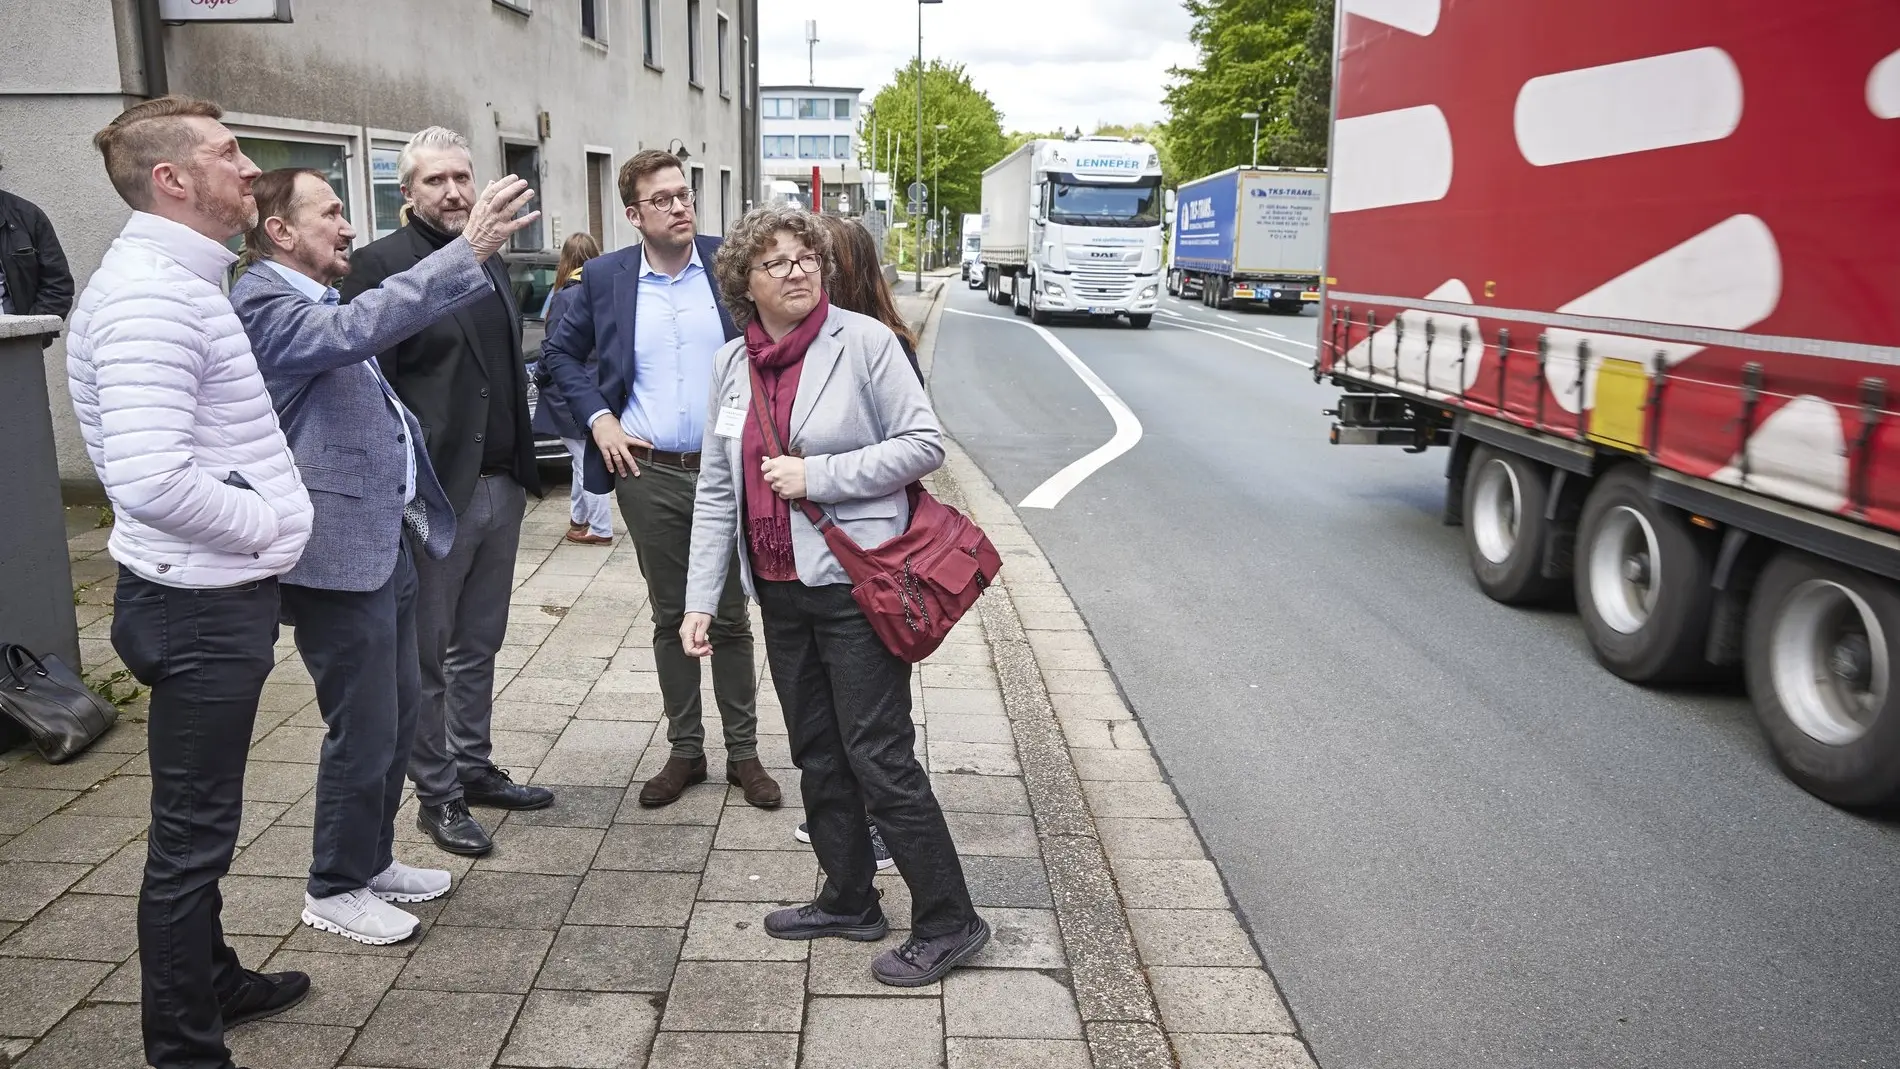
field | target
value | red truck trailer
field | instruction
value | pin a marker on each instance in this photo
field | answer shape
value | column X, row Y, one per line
column 1636, row 264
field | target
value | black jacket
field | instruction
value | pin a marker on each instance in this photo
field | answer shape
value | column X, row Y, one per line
column 441, row 377
column 38, row 281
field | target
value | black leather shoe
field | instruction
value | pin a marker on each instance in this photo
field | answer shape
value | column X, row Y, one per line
column 493, row 788
column 453, row 829
column 263, row 994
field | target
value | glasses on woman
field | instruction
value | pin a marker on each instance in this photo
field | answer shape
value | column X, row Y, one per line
column 663, row 202
column 782, row 267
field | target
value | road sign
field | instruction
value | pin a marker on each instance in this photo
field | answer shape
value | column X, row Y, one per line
column 918, row 192
column 917, row 207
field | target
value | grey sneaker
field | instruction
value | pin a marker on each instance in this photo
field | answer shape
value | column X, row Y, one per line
column 400, row 883
column 922, row 962
column 812, row 922
column 359, row 915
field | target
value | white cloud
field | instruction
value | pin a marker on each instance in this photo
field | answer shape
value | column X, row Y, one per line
column 1046, row 63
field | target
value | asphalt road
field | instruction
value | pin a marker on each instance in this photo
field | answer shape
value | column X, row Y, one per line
column 1457, row 841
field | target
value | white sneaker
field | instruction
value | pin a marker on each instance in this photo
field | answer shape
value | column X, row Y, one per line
column 400, row 883
column 359, row 915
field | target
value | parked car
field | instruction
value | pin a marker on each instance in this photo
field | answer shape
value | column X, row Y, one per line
column 531, row 276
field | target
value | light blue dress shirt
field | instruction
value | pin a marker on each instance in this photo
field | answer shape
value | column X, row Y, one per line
column 323, row 294
column 676, row 333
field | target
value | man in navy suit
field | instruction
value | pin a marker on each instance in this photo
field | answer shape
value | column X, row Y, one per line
column 352, row 595
column 654, row 316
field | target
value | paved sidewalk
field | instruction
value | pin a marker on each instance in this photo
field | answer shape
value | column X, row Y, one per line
column 601, row 934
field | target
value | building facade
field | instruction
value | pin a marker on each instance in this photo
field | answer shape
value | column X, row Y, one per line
column 802, row 127
column 558, row 91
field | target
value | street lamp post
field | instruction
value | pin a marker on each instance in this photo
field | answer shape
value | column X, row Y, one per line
column 936, row 182
column 920, row 127
column 1255, row 116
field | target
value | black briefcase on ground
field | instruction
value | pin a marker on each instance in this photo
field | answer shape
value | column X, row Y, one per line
column 55, row 707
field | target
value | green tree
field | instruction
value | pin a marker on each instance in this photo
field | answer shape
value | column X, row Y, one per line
column 955, row 157
column 1310, row 114
column 1252, row 56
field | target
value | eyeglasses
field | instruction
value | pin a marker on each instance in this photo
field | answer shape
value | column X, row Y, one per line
column 782, row 268
column 663, row 202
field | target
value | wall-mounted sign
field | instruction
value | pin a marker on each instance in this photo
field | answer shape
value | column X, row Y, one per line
column 224, row 10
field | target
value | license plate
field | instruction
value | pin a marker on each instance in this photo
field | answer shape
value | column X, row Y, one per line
column 1310, row 295
column 1243, row 291
column 1101, row 311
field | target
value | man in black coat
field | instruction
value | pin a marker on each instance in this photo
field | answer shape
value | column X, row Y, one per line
column 464, row 379
column 34, row 279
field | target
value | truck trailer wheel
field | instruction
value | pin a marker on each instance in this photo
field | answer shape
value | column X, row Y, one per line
column 1643, row 580
column 1823, row 647
column 1505, row 528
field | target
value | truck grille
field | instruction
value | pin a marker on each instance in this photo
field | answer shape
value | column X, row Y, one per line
column 1102, row 283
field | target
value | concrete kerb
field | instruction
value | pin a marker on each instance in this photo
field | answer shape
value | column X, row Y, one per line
column 1124, row 1024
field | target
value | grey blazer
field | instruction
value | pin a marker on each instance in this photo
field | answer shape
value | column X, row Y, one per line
column 318, row 363
column 866, row 429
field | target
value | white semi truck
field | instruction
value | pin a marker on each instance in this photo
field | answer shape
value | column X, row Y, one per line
column 1073, row 227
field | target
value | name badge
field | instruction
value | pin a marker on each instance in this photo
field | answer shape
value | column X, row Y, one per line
column 731, row 422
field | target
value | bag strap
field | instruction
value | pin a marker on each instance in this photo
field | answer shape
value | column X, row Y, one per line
column 15, row 657
column 818, row 517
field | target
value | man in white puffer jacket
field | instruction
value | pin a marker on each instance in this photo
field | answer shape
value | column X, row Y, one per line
column 208, row 511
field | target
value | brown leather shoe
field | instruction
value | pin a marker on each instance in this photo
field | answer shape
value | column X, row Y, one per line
column 760, row 788
column 666, row 788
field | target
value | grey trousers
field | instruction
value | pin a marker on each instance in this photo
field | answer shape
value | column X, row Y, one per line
column 461, row 618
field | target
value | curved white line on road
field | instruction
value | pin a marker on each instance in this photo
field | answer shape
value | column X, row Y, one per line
column 1127, row 427
column 1226, row 337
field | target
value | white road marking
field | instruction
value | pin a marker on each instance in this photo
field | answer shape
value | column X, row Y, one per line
column 1167, row 312
column 1127, row 427
column 1229, row 319
column 1237, row 341
column 1284, row 338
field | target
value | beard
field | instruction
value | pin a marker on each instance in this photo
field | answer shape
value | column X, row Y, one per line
column 237, row 213
column 451, row 227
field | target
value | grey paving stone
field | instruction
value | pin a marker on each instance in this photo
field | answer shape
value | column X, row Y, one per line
column 1017, row 1054
column 1191, row 937
column 635, row 899
column 1022, row 939
column 289, row 743
column 36, row 992
column 958, row 793
column 736, row 996
column 102, row 1036
column 126, row 737
column 1089, row 707
column 993, row 834
column 843, row 967
column 1089, row 734
column 1169, row 884
column 1219, row 1000
column 968, row 702
column 485, row 899
column 1007, row 881
column 599, row 753
column 962, row 727
column 735, row 931
column 746, row 828
column 78, row 774
column 785, row 876
column 893, row 1033
column 1117, row 765
column 1008, row 1004
column 1241, row 1052
column 699, row 805
column 705, row 1050
column 277, row 852
column 73, row 839
column 120, row 796
column 655, row 847
column 1126, row 1045
column 263, row 905
column 611, row 958
column 1136, row 837
column 582, row 1030
column 258, row 817
column 283, row 1045
column 959, row 676
column 1119, row 799
column 529, row 716
column 79, row 927
column 550, row 851
column 278, row 781
column 574, row 807
column 27, row 886
column 977, row 758
column 435, row 1030
column 521, row 747
column 344, row 988
column 476, row 959
column 22, row 807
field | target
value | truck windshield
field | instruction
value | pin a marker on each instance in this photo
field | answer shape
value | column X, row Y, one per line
column 1080, row 204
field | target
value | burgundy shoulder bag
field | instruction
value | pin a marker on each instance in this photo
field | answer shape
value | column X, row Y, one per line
column 915, row 587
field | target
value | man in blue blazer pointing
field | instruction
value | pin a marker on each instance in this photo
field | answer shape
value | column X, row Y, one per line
column 352, row 596
column 654, row 316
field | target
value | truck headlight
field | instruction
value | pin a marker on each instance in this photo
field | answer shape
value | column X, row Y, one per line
column 1053, row 289
column 1147, row 293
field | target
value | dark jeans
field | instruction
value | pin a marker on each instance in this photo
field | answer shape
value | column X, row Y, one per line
column 205, row 655
column 360, row 648
column 461, row 619
column 658, row 508
column 847, row 708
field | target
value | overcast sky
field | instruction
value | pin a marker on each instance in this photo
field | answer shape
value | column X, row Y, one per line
column 1046, row 63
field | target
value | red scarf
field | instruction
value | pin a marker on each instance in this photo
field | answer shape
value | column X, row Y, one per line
column 769, row 516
